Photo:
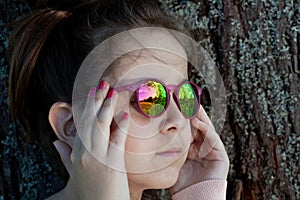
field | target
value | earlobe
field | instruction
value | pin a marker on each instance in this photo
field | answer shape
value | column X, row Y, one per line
column 61, row 120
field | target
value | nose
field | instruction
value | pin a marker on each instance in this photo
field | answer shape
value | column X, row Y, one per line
column 174, row 119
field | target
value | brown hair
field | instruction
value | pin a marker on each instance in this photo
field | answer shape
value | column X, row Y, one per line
column 48, row 46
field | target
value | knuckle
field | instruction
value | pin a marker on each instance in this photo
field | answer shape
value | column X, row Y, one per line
column 85, row 159
column 100, row 95
column 72, row 158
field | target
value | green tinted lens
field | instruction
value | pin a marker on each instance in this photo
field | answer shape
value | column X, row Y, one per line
column 188, row 99
column 152, row 98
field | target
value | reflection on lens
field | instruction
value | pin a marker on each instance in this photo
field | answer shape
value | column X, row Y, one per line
column 188, row 99
column 152, row 98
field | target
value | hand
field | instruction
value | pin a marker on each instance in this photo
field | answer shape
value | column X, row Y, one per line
column 207, row 158
column 88, row 161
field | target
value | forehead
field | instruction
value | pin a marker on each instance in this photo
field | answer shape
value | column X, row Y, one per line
column 168, row 59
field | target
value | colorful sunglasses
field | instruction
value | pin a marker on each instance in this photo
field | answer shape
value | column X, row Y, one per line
column 151, row 97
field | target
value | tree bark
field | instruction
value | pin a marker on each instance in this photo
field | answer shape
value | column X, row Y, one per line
column 255, row 45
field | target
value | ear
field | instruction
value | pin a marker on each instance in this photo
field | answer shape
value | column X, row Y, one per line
column 61, row 120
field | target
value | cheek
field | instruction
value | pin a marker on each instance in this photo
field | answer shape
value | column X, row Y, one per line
column 138, row 145
column 143, row 128
column 189, row 132
column 136, row 118
column 149, row 139
column 138, row 155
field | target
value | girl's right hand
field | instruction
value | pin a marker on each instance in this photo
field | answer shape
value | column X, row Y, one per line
column 92, row 177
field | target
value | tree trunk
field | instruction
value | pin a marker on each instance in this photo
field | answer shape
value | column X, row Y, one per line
column 255, row 45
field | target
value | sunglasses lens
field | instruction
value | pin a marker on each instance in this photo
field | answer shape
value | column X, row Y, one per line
column 152, row 98
column 188, row 99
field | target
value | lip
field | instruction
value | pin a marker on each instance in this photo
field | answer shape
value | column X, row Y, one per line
column 174, row 152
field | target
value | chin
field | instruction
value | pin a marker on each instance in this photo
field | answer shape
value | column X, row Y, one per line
column 168, row 178
column 168, row 175
column 154, row 180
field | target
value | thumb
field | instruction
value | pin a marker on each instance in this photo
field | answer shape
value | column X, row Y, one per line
column 64, row 151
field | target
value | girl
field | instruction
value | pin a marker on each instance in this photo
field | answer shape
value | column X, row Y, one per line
column 119, row 110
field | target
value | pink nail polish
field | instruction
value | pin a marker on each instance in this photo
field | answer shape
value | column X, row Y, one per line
column 110, row 93
column 125, row 115
column 101, row 85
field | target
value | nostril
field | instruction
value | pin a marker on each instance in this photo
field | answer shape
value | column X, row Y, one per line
column 173, row 128
column 173, row 119
column 169, row 130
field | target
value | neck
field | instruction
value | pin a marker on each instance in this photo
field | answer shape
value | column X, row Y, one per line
column 136, row 192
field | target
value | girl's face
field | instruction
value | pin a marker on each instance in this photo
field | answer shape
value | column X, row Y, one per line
column 156, row 148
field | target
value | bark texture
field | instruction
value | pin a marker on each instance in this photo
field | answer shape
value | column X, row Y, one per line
column 256, row 47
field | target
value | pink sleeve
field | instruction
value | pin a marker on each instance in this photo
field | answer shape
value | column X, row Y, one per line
column 205, row 190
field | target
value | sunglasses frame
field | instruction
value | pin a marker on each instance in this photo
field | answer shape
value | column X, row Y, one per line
column 134, row 87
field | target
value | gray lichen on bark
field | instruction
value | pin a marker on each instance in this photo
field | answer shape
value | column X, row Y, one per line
column 255, row 45
column 257, row 54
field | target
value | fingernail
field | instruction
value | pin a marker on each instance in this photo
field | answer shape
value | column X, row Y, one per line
column 110, row 93
column 125, row 115
column 101, row 85
column 93, row 92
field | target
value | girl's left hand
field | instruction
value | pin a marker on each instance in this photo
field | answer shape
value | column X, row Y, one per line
column 207, row 158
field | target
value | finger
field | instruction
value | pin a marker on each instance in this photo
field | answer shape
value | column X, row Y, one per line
column 101, row 131
column 117, row 144
column 197, row 135
column 201, row 126
column 88, row 118
column 211, row 138
column 202, row 115
column 205, row 126
column 120, row 133
column 95, row 100
column 101, row 94
column 197, row 128
column 194, row 149
column 64, row 151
